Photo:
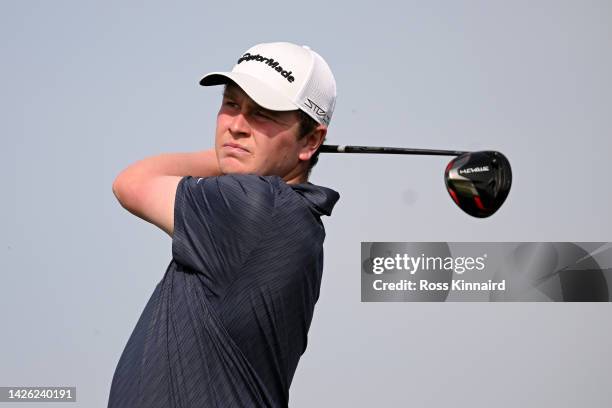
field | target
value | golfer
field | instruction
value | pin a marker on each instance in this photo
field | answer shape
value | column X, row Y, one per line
column 229, row 320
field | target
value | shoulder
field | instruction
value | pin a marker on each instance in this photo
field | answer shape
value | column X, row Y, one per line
column 250, row 189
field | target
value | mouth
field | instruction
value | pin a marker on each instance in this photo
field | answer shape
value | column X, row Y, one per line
column 235, row 147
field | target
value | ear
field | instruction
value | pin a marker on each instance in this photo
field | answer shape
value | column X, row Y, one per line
column 311, row 142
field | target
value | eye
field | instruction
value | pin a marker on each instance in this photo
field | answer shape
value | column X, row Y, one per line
column 230, row 104
column 262, row 115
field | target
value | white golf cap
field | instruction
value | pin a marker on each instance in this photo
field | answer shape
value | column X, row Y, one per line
column 282, row 76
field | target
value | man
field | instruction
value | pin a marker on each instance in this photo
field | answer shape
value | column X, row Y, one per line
column 227, row 324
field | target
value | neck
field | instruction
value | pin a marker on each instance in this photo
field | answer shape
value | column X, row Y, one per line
column 296, row 180
column 299, row 175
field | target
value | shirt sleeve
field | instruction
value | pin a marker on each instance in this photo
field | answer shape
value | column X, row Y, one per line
column 218, row 221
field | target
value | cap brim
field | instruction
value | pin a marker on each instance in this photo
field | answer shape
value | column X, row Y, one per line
column 261, row 93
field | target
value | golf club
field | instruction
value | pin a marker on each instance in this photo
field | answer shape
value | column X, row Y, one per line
column 478, row 182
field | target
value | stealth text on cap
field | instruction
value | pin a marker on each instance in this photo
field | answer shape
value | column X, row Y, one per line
column 270, row 62
column 317, row 110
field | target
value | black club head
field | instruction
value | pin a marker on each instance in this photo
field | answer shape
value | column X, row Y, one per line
column 479, row 182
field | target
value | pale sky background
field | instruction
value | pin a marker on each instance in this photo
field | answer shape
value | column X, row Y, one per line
column 90, row 87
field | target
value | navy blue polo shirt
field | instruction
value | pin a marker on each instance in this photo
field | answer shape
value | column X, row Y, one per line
column 228, row 322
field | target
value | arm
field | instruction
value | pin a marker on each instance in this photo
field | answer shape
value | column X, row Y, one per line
column 147, row 188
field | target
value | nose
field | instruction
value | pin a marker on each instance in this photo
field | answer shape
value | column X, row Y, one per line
column 239, row 126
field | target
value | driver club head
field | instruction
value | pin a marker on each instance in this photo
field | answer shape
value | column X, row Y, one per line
column 479, row 182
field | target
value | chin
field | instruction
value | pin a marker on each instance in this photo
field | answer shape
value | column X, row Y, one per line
column 229, row 165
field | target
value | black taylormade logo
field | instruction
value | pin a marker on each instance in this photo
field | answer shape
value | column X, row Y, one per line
column 270, row 62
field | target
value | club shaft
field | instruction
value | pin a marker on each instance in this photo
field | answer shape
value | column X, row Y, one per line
column 387, row 150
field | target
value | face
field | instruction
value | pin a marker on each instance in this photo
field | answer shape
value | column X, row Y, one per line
column 251, row 139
